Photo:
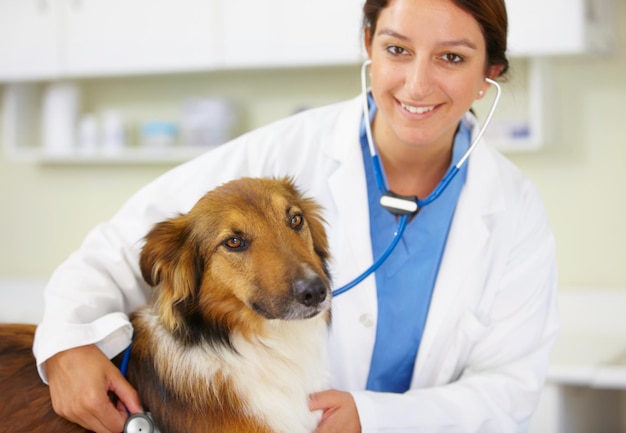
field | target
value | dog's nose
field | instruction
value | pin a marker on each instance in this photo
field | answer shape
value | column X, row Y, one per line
column 310, row 291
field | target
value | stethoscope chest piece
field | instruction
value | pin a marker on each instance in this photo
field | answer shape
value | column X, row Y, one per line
column 140, row 423
column 399, row 204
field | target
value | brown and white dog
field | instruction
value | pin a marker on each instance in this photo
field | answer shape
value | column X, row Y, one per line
column 235, row 340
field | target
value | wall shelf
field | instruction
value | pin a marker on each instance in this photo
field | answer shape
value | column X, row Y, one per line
column 128, row 156
column 521, row 123
column 23, row 141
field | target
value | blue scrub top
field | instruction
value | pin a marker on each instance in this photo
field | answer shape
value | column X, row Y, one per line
column 405, row 281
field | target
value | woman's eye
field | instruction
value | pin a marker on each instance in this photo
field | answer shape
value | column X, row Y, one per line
column 235, row 243
column 452, row 58
column 296, row 221
column 396, row 50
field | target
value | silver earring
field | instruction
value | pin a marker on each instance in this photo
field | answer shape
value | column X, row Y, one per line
column 481, row 93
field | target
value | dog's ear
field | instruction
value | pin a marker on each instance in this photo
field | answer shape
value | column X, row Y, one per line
column 171, row 263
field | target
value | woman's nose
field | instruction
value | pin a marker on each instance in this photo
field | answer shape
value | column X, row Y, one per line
column 419, row 78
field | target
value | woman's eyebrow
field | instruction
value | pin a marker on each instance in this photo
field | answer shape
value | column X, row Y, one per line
column 392, row 33
column 463, row 42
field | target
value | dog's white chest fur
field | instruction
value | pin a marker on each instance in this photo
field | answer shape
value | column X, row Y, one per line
column 278, row 373
column 273, row 375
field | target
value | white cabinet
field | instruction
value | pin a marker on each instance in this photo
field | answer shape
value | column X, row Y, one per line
column 29, row 46
column 290, row 33
column 49, row 39
column 322, row 31
column 558, row 27
column 111, row 37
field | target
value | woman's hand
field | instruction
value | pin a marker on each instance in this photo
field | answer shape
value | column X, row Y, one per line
column 340, row 414
column 80, row 380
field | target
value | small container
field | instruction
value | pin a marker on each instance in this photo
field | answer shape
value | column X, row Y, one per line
column 113, row 131
column 159, row 134
column 88, row 135
column 208, row 122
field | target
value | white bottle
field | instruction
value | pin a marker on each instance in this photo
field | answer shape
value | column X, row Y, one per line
column 61, row 107
column 113, row 132
column 88, row 135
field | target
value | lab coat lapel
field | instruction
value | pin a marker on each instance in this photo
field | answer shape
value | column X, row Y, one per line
column 469, row 232
column 347, row 188
column 354, row 312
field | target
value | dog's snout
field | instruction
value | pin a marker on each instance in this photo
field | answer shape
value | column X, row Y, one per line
column 310, row 291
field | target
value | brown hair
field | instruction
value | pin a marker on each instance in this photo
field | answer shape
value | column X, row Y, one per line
column 490, row 14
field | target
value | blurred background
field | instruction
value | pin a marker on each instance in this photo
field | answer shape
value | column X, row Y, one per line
column 99, row 97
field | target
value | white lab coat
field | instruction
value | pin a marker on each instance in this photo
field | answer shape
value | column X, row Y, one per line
column 492, row 319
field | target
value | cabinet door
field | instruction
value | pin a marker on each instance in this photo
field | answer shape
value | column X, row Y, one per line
column 249, row 33
column 135, row 36
column 544, row 27
column 322, row 31
column 29, row 46
column 290, row 32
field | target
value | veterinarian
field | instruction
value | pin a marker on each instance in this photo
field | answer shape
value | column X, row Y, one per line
column 453, row 332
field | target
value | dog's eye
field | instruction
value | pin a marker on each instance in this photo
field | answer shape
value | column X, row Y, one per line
column 296, row 221
column 235, row 243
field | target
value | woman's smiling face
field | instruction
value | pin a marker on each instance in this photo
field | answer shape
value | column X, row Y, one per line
column 428, row 66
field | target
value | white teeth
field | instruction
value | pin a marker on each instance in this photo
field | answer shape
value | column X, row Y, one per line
column 417, row 110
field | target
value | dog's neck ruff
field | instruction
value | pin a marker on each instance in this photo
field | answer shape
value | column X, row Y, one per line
column 292, row 353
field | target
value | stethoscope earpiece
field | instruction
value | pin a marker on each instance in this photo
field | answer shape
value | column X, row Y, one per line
column 140, row 423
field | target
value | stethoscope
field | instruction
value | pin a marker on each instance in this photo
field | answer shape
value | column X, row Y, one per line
column 405, row 206
column 401, row 206
column 139, row 422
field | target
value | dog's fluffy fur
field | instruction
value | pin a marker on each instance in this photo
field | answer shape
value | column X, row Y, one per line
column 235, row 338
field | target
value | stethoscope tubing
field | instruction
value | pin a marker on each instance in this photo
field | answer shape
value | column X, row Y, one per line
column 402, row 223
